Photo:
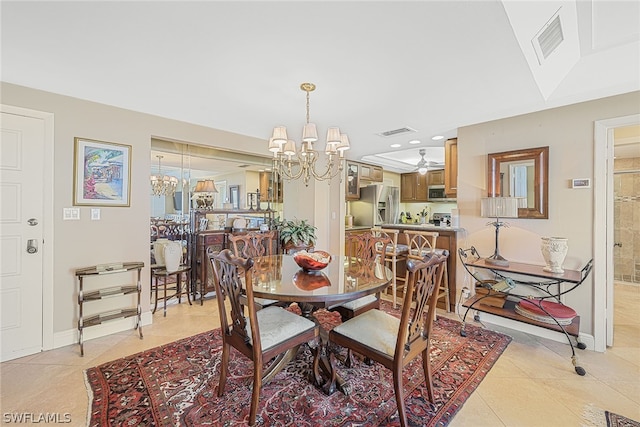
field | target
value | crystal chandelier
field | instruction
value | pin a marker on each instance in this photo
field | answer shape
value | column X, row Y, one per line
column 290, row 162
column 163, row 185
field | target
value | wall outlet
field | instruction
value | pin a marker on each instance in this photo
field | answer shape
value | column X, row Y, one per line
column 466, row 293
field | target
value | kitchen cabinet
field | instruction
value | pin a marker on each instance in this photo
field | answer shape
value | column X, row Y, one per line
column 269, row 187
column 413, row 187
column 370, row 173
column 451, row 167
column 352, row 181
column 435, row 177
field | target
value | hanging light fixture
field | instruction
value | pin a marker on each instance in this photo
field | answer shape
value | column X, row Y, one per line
column 421, row 167
column 292, row 163
column 163, row 185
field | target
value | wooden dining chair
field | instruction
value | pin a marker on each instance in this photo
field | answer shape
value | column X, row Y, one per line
column 421, row 243
column 394, row 342
column 365, row 249
column 262, row 335
column 395, row 253
column 255, row 244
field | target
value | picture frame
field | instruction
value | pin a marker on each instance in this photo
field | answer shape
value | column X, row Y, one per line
column 101, row 173
column 234, row 196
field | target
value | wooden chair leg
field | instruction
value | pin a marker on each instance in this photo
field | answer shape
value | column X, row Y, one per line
column 224, row 367
column 255, row 394
column 397, row 387
column 426, row 367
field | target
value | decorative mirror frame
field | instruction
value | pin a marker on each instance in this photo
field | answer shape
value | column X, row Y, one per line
column 540, row 156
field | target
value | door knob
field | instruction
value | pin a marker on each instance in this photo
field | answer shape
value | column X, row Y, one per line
column 32, row 221
column 32, row 246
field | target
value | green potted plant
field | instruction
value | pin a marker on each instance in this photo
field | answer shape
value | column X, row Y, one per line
column 295, row 234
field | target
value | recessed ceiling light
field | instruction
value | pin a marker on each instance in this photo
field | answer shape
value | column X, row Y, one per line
column 414, row 141
column 437, row 137
column 395, row 145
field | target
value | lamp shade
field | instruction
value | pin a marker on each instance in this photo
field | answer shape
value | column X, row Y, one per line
column 333, row 136
column 279, row 135
column 499, row 207
column 209, row 186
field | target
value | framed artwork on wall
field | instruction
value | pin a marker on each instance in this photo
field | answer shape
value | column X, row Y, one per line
column 101, row 173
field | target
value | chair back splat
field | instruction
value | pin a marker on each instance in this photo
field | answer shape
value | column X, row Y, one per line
column 421, row 243
column 269, row 337
column 364, row 249
column 394, row 342
column 253, row 244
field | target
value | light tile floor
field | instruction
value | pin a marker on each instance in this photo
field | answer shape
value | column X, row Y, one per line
column 532, row 384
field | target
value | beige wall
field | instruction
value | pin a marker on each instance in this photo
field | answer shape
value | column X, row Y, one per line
column 122, row 234
column 569, row 133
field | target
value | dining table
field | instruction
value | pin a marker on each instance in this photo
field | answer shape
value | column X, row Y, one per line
column 278, row 277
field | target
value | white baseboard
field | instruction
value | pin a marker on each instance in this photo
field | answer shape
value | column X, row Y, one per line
column 537, row 331
column 70, row 336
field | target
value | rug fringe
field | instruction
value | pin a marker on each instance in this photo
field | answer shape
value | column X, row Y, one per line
column 594, row 416
column 90, row 393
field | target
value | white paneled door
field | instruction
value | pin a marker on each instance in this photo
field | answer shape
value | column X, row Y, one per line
column 21, row 235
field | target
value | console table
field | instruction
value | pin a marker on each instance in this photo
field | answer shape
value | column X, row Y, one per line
column 101, row 292
column 549, row 285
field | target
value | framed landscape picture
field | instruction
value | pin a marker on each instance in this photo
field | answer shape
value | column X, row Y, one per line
column 102, row 173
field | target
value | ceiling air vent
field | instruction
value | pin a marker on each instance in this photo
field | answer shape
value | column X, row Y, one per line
column 548, row 38
column 243, row 166
column 396, row 132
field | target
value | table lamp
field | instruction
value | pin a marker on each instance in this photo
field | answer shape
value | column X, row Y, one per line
column 498, row 207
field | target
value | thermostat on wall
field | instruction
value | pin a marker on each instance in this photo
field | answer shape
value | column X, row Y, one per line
column 581, row 183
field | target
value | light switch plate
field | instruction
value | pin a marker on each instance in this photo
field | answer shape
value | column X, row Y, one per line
column 71, row 214
column 95, row 214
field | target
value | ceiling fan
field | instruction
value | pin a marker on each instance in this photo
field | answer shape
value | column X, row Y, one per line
column 424, row 165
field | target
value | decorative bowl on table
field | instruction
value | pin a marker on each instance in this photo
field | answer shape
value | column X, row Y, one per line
column 310, row 280
column 312, row 261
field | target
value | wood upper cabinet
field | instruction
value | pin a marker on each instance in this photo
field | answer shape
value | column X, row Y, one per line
column 435, row 177
column 451, row 167
column 370, row 173
column 413, row 187
column 267, row 186
column 352, row 181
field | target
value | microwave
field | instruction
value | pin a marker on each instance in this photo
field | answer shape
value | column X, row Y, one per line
column 436, row 193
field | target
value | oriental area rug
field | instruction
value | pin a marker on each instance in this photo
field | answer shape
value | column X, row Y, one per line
column 176, row 385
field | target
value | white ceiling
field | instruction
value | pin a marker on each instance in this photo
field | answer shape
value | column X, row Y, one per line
column 432, row 66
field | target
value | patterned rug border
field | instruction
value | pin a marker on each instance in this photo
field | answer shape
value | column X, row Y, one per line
column 164, row 413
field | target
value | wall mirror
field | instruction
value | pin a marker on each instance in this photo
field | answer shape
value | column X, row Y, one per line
column 523, row 174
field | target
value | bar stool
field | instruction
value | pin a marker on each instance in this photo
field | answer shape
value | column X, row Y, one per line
column 395, row 252
column 161, row 272
column 421, row 243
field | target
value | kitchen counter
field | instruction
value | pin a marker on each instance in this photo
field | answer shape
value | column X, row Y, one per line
column 358, row 227
column 423, row 227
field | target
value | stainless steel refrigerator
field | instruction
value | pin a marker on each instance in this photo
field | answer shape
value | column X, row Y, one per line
column 378, row 204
